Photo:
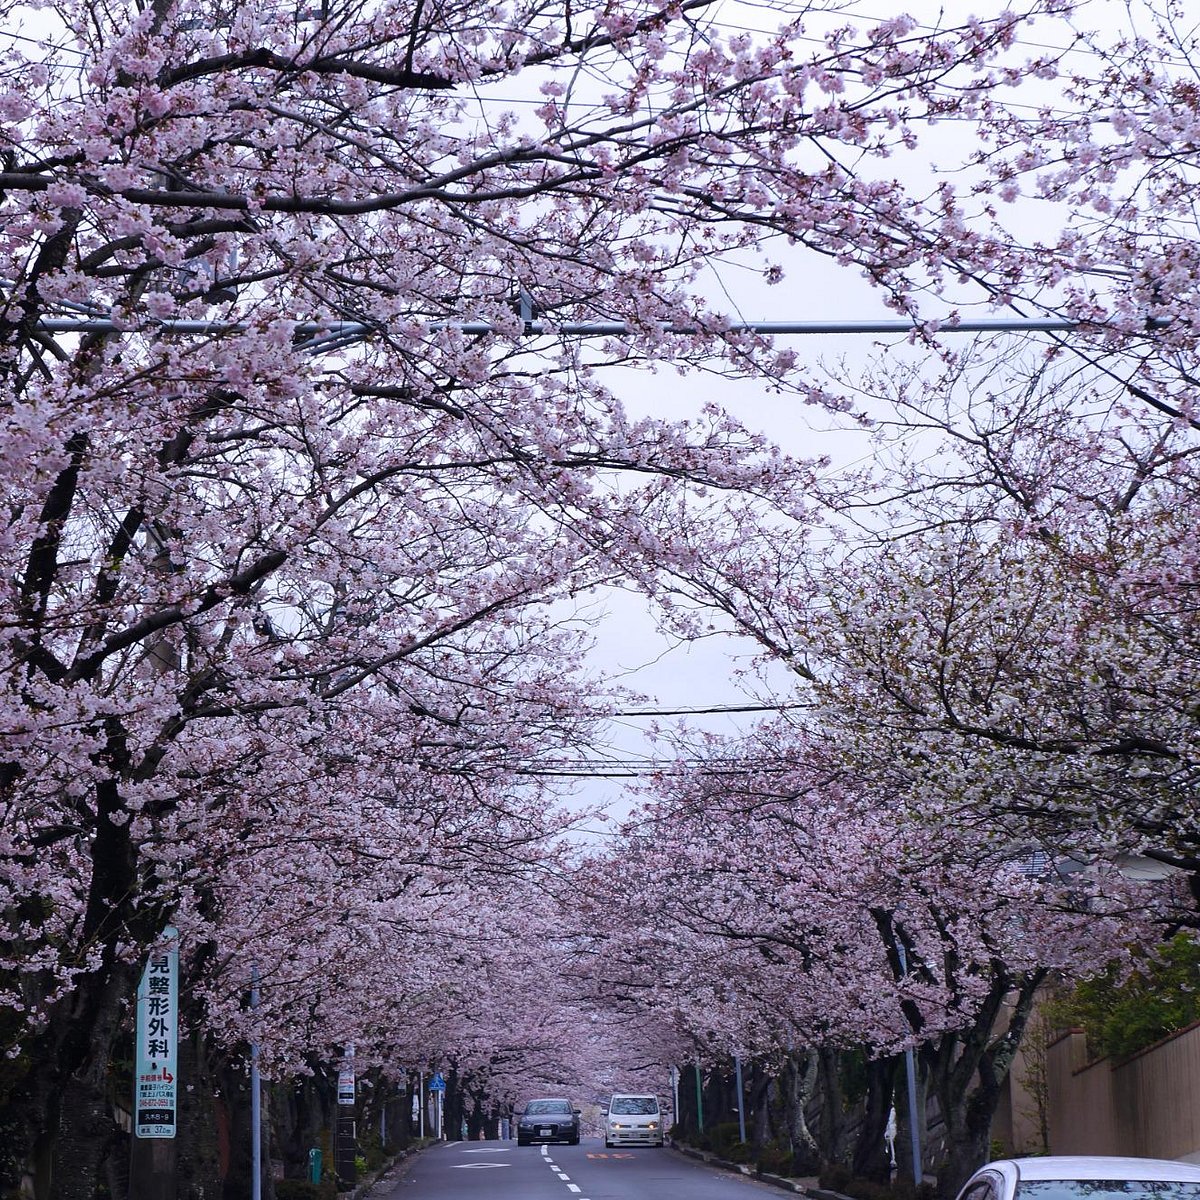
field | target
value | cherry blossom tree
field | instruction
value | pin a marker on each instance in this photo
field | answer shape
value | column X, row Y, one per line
column 1014, row 619
column 297, row 450
column 805, row 907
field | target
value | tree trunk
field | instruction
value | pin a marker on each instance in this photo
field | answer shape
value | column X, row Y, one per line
column 800, row 1075
column 870, row 1158
column 966, row 1070
column 832, row 1124
column 304, row 1113
column 83, row 1141
column 234, row 1087
column 198, row 1164
column 968, row 1139
column 756, row 1099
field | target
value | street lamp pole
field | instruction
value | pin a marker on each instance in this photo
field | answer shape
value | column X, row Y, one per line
column 255, row 1103
column 737, row 1069
column 914, row 1129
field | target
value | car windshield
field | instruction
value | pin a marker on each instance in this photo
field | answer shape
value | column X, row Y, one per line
column 547, row 1106
column 1107, row 1189
column 629, row 1106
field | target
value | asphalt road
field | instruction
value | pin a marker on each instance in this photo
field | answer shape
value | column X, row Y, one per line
column 504, row 1171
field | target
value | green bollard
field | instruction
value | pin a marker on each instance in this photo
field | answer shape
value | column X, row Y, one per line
column 314, row 1165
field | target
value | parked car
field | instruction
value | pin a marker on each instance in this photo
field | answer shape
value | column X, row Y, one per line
column 633, row 1120
column 550, row 1119
column 1083, row 1178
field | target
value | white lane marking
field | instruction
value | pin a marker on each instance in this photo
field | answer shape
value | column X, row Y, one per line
column 478, row 1166
column 488, row 1150
column 573, row 1187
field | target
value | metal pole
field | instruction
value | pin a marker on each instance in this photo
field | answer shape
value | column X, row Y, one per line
column 255, row 1103
column 699, row 1103
column 421, row 1101
column 737, row 1068
column 914, row 1128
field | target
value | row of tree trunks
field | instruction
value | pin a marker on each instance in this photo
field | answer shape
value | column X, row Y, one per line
column 831, row 1108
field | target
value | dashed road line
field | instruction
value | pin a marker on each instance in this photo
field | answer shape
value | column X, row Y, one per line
column 574, row 1188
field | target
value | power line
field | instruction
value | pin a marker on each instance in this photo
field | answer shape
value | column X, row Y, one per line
column 357, row 329
column 715, row 710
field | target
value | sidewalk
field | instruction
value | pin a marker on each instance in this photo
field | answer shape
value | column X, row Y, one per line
column 802, row 1187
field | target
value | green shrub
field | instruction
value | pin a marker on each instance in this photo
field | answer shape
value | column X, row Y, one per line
column 837, row 1177
column 370, row 1146
column 724, row 1139
column 1124, row 1012
column 775, row 1158
column 301, row 1189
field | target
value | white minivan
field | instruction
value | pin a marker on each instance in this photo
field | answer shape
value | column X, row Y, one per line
column 633, row 1120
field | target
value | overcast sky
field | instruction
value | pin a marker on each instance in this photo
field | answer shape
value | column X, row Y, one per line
column 700, row 675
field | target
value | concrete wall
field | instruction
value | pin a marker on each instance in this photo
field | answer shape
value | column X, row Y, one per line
column 1146, row 1105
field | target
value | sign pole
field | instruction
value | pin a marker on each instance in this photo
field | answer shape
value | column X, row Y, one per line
column 437, row 1086
column 345, row 1146
column 156, row 1073
column 255, row 1103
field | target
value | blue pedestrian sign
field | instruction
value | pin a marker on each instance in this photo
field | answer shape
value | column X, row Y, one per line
column 437, row 1083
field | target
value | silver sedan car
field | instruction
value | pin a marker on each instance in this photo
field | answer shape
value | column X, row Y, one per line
column 1084, row 1177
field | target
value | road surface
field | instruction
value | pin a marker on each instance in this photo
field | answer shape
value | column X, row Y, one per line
column 506, row 1171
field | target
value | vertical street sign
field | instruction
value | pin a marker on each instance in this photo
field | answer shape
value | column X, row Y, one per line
column 437, row 1089
column 346, row 1137
column 157, row 1041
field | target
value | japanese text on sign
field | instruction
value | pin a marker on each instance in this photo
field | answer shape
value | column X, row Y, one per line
column 155, row 1067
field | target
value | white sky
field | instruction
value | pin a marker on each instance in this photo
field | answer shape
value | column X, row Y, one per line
column 627, row 645
column 700, row 675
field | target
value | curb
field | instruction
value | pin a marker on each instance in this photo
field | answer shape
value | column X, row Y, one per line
column 778, row 1181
